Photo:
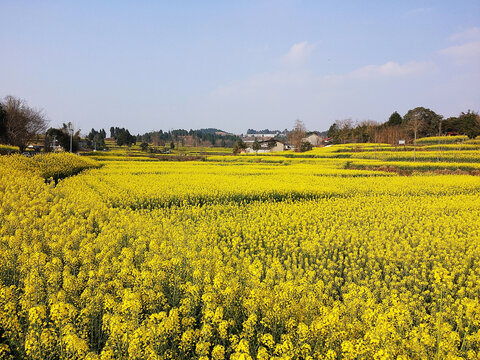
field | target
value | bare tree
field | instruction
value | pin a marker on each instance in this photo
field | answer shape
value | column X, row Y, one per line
column 297, row 135
column 23, row 122
column 415, row 125
column 155, row 139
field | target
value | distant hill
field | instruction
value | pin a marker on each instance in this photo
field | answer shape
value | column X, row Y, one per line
column 213, row 131
column 181, row 137
column 319, row 133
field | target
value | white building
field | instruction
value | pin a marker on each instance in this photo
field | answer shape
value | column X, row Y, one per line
column 314, row 139
column 266, row 146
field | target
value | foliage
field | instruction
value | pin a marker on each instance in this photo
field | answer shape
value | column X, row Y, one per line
column 264, row 131
column 19, row 123
column 144, row 146
column 417, row 122
column 256, row 145
column 122, row 136
column 271, row 143
column 63, row 135
column 333, row 131
column 93, row 133
column 306, row 146
column 197, row 138
column 3, row 125
column 395, row 119
column 239, row 146
column 467, row 123
column 428, row 121
column 96, row 139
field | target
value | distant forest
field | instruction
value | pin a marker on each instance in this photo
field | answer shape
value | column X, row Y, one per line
column 20, row 125
column 266, row 131
column 416, row 123
column 181, row 137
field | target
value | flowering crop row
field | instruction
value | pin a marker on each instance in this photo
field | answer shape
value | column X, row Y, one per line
column 360, row 265
column 55, row 166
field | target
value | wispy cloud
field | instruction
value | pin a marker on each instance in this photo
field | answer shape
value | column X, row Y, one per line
column 299, row 53
column 465, row 53
column 417, row 11
column 466, row 35
column 259, row 84
column 390, row 69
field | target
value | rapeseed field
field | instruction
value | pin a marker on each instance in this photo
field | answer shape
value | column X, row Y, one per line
column 245, row 257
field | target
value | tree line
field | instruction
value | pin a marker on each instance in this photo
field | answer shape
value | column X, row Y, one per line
column 416, row 123
column 21, row 124
column 201, row 137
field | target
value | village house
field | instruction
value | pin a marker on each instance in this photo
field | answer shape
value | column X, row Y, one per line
column 314, row 139
column 266, row 146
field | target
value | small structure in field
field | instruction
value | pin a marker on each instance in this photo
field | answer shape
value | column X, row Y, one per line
column 314, row 139
column 266, row 146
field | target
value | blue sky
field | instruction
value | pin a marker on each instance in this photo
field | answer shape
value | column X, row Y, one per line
column 149, row 65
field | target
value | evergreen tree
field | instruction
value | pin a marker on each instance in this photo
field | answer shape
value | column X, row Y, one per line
column 395, row 119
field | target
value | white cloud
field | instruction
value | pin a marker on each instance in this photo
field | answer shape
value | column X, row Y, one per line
column 467, row 35
column 468, row 50
column 298, row 53
column 390, row 69
column 464, row 53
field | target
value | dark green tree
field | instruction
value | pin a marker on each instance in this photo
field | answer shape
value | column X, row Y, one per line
column 466, row 124
column 256, row 146
column 144, row 146
column 3, row 125
column 239, row 146
column 92, row 134
column 62, row 136
column 394, row 119
column 96, row 139
column 333, row 132
column 98, row 142
column 428, row 121
column 123, row 137
column 306, row 146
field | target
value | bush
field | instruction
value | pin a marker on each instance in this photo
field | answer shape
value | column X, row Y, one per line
column 306, row 146
column 144, row 146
